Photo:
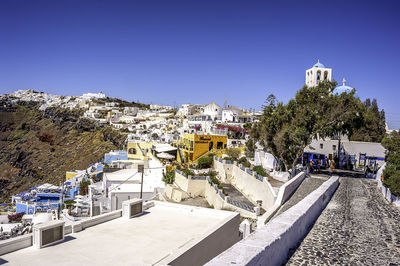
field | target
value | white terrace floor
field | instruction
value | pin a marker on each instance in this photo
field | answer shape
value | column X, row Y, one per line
column 143, row 240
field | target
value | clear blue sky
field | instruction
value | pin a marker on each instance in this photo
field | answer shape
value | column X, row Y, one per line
column 174, row 52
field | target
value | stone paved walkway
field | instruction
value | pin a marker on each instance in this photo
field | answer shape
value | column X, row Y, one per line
column 308, row 185
column 358, row 227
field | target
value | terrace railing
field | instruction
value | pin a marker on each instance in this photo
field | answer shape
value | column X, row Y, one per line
column 198, row 177
column 240, row 205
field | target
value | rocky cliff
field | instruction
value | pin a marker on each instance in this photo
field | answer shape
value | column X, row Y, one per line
column 40, row 146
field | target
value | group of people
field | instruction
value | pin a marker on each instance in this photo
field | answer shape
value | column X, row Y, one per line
column 317, row 165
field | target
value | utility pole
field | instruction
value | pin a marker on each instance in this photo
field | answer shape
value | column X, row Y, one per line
column 141, row 170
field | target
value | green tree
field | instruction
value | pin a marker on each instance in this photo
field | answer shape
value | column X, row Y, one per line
column 286, row 129
column 250, row 147
column 375, row 127
column 391, row 174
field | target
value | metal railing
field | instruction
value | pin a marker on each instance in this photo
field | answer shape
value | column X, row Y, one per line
column 198, row 177
column 241, row 205
column 180, row 172
column 260, row 177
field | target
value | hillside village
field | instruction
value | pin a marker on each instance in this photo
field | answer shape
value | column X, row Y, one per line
column 198, row 155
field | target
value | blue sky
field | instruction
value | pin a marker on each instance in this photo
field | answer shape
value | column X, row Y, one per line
column 174, row 52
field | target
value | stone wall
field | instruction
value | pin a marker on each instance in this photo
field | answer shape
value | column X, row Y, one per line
column 193, row 186
column 386, row 191
column 215, row 199
column 253, row 188
column 15, row 243
column 285, row 191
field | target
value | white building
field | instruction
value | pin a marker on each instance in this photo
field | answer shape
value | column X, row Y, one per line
column 213, row 110
column 229, row 114
column 131, row 111
column 317, row 73
column 125, row 184
column 94, row 95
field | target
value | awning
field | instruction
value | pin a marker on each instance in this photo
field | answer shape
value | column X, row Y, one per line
column 164, row 155
column 164, row 148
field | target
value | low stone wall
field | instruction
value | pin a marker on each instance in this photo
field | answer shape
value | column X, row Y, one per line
column 219, row 202
column 252, row 187
column 100, row 219
column 270, row 244
column 67, row 229
column 388, row 195
column 175, row 193
column 386, row 191
column 221, row 237
column 285, row 191
column 193, row 185
column 224, row 169
column 15, row 243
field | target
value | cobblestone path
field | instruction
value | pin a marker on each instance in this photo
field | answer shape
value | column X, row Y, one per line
column 308, row 185
column 358, row 227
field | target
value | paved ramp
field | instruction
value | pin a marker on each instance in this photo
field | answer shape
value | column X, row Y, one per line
column 358, row 227
column 308, row 185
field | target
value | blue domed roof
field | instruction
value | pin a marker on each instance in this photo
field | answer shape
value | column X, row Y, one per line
column 343, row 88
column 319, row 65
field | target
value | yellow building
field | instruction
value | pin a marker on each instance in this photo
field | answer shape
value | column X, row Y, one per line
column 139, row 150
column 192, row 147
column 70, row 174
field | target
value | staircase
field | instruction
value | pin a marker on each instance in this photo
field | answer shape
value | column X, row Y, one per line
column 180, row 155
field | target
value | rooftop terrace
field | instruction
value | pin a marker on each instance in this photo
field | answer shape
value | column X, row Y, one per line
column 165, row 234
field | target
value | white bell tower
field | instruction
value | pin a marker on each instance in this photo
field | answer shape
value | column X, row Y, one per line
column 317, row 73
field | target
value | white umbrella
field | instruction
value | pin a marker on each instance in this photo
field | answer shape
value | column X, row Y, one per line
column 164, row 155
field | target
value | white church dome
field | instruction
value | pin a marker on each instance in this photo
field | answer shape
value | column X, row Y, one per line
column 319, row 65
column 343, row 88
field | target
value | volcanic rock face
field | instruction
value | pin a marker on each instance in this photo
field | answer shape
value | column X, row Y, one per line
column 38, row 147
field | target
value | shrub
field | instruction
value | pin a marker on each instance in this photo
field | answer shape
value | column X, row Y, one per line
column 244, row 162
column 391, row 173
column 259, row 170
column 169, row 176
column 212, row 173
column 233, row 152
column 15, row 218
column 215, row 180
column 205, row 161
column 185, row 170
column 83, row 187
column 46, row 137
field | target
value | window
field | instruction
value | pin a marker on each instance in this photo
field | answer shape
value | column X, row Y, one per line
column 326, row 75
column 220, row 145
column 334, row 147
column 211, row 146
column 321, row 146
column 132, row 151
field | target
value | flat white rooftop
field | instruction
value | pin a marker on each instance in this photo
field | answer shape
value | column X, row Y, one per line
column 162, row 234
